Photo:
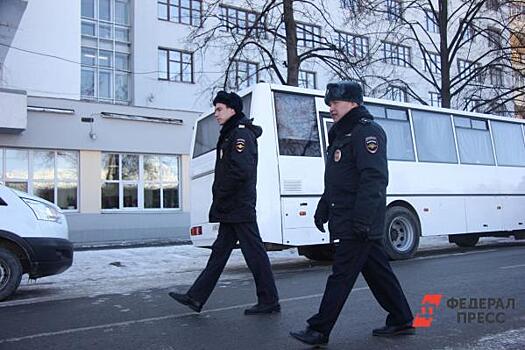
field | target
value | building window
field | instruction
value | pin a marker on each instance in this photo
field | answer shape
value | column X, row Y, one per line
column 470, row 70
column 308, row 35
column 398, row 55
column 393, row 10
column 469, row 31
column 181, row 11
column 494, row 38
column 431, row 62
column 353, row 45
column 239, row 21
column 307, row 79
column 431, row 22
column 352, row 5
column 175, row 65
column 496, row 76
column 137, row 181
column 105, row 53
column 242, row 74
column 435, row 99
column 48, row 174
column 493, row 4
column 396, row 93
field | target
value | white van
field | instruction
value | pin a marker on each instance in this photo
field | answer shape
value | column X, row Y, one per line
column 33, row 239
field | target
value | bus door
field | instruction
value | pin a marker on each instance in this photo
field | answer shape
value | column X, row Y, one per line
column 300, row 166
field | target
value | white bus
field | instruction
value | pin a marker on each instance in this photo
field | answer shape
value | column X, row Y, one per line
column 452, row 173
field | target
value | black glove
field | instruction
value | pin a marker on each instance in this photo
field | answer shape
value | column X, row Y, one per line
column 321, row 215
column 360, row 231
column 319, row 223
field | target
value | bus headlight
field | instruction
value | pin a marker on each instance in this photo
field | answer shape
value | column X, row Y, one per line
column 43, row 211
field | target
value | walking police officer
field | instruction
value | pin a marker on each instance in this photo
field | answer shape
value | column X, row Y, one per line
column 354, row 205
column 234, row 198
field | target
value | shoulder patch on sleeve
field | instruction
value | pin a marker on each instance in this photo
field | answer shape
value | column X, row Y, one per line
column 240, row 144
column 371, row 144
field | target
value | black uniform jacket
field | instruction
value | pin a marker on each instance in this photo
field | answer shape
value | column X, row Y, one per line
column 356, row 177
column 234, row 193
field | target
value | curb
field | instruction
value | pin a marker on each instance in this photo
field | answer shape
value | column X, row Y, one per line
column 128, row 244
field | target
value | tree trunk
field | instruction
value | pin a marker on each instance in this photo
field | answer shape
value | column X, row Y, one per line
column 291, row 44
column 444, row 54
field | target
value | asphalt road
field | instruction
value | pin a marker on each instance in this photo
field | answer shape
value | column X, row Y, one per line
column 149, row 319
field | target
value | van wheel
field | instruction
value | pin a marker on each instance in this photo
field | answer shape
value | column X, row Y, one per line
column 464, row 241
column 322, row 252
column 402, row 233
column 10, row 273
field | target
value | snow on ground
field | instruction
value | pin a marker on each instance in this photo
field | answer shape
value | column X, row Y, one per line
column 122, row 271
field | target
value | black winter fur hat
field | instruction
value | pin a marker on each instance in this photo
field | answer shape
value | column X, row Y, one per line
column 231, row 100
column 346, row 90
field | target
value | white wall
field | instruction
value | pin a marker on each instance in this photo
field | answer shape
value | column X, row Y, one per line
column 150, row 33
column 51, row 28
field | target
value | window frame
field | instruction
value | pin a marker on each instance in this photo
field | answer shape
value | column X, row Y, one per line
column 141, row 184
column 239, row 85
column 397, row 54
column 349, row 43
column 311, row 33
column 180, row 63
column 177, row 5
column 30, row 181
column 113, row 44
column 431, row 22
column 308, row 74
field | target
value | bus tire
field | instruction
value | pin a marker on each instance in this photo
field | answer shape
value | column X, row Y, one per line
column 402, row 232
column 321, row 252
column 10, row 273
column 464, row 241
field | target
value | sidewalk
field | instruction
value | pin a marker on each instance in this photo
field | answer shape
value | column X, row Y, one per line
column 122, row 271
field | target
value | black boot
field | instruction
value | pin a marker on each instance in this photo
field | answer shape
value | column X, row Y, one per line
column 390, row 331
column 185, row 299
column 263, row 309
column 310, row 337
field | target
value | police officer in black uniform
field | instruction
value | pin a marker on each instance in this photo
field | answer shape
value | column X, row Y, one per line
column 234, row 197
column 354, row 205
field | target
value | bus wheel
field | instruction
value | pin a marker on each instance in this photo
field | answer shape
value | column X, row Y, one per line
column 10, row 273
column 402, row 233
column 322, row 252
column 464, row 241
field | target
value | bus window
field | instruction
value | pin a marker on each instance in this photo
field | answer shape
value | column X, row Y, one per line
column 297, row 125
column 206, row 136
column 247, row 104
column 475, row 146
column 508, row 138
column 397, row 128
column 434, row 137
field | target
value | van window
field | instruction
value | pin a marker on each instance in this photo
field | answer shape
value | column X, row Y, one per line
column 475, row 146
column 397, row 128
column 296, row 125
column 508, row 139
column 434, row 137
column 206, row 136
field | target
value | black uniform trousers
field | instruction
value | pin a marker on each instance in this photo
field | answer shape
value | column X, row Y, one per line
column 252, row 247
column 352, row 257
